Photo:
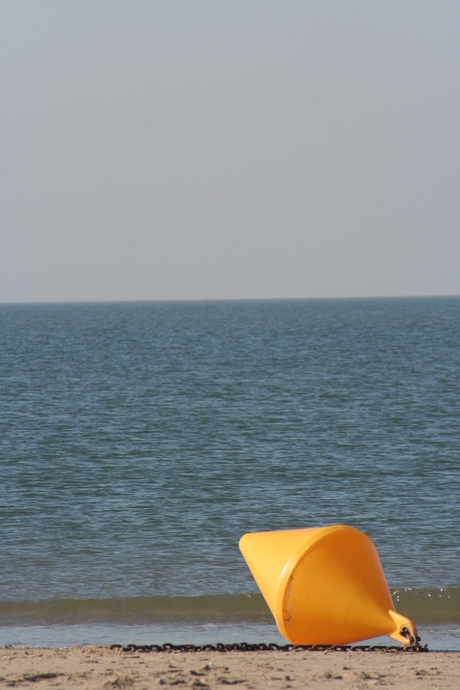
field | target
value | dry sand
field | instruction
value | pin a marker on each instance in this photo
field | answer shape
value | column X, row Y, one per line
column 99, row 667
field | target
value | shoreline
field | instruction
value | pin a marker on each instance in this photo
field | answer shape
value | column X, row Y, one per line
column 98, row 666
column 437, row 638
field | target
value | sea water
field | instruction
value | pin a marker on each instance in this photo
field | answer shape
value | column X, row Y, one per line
column 140, row 441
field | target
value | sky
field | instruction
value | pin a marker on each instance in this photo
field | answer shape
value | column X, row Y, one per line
column 229, row 149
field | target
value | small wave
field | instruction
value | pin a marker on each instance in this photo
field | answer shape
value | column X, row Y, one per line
column 425, row 606
column 142, row 610
column 430, row 606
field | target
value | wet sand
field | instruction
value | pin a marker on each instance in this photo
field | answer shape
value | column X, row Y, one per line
column 99, row 667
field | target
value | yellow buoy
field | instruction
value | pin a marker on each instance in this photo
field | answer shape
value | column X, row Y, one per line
column 324, row 585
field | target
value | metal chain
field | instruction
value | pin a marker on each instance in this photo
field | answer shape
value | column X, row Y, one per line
column 405, row 632
column 262, row 647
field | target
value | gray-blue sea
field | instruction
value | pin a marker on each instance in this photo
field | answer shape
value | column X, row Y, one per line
column 140, row 441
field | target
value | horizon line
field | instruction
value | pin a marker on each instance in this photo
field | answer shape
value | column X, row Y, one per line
column 224, row 299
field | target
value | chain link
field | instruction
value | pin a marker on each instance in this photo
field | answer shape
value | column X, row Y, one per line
column 262, row 647
column 405, row 632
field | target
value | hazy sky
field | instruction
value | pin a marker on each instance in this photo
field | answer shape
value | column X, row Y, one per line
column 229, row 149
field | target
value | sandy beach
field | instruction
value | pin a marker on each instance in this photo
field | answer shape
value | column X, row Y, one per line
column 99, row 667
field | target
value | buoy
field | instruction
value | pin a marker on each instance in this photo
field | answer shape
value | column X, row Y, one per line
column 324, row 585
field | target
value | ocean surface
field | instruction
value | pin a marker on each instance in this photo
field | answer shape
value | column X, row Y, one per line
column 140, row 441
